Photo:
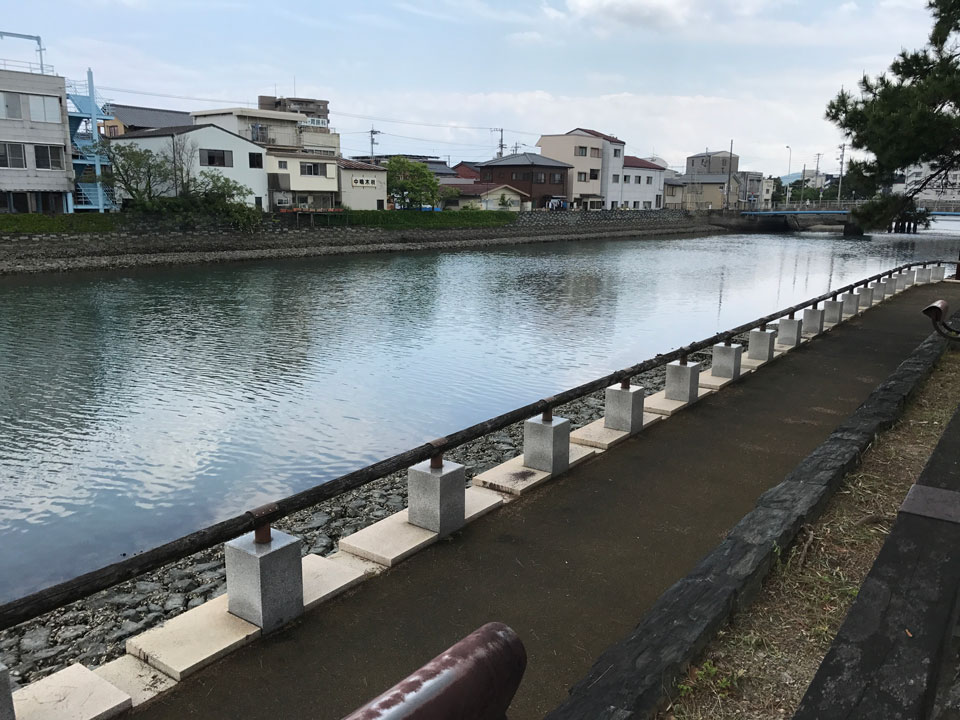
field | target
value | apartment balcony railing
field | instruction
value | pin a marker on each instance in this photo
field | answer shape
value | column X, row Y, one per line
column 25, row 66
column 85, row 196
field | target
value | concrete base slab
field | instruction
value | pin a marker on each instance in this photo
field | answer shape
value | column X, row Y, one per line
column 137, row 679
column 596, row 435
column 658, row 403
column 479, row 501
column 514, row 479
column 779, row 349
column 511, row 477
column 74, row 693
column 388, row 541
column 748, row 364
column 716, row 383
column 324, row 579
column 184, row 644
column 367, row 567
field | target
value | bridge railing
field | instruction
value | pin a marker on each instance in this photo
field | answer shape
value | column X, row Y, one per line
column 43, row 601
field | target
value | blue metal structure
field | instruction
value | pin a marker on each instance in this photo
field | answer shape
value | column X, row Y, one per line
column 90, row 194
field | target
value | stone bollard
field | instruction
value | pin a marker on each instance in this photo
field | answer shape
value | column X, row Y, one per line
column 6, row 695
column 887, row 286
column 911, row 276
column 866, row 297
column 760, row 346
column 901, row 282
column 683, row 382
column 546, row 444
column 264, row 578
column 726, row 361
column 789, row 332
column 812, row 321
column 832, row 311
column 923, row 275
column 436, row 495
column 938, row 273
column 623, row 408
column 879, row 292
column 851, row 303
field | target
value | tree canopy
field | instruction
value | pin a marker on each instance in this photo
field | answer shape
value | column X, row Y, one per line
column 411, row 184
column 906, row 116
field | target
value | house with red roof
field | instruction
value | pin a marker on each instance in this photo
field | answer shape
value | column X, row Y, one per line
column 641, row 185
column 598, row 166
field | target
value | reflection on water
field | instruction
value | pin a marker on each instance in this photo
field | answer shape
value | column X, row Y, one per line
column 138, row 406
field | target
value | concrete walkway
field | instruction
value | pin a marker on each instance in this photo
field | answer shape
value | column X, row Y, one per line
column 572, row 566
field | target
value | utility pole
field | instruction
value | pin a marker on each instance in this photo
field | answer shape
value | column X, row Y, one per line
column 789, row 161
column 729, row 174
column 816, row 178
column 843, row 147
column 516, row 148
column 803, row 184
column 373, row 160
column 501, row 147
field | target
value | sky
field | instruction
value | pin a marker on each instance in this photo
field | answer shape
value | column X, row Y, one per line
column 669, row 77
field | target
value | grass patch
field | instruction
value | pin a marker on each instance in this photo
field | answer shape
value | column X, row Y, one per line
column 760, row 665
column 72, row 223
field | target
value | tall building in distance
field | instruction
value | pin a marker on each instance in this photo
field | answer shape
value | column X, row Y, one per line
column 317, row 110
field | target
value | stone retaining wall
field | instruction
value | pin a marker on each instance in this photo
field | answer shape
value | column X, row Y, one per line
column 631, row 679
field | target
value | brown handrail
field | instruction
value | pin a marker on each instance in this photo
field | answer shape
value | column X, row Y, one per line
column 51, row 598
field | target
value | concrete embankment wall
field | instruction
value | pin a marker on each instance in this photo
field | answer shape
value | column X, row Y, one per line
column 145, row 243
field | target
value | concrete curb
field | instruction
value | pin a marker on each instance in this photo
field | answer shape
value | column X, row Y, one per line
column 632, row 677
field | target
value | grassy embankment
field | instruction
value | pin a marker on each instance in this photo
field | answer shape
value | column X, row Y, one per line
column 761, row 664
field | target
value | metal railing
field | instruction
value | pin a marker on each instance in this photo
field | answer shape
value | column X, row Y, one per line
column 43, row 601
column 26, row 66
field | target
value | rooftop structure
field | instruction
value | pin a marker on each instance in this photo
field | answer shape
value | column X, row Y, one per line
column 127, row 118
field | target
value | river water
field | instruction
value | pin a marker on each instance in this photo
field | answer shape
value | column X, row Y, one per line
column 137, row 406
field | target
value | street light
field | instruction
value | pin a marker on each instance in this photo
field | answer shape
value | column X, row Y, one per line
column 789, row 162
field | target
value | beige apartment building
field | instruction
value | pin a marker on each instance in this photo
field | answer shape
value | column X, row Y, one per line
column 584, row 179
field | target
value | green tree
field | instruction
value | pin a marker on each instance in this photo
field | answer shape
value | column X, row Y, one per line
column 504, row 203
column 907, row 116
column 139, row 174
column 411, row 184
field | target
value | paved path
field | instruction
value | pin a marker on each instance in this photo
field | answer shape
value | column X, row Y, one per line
column 574, row 565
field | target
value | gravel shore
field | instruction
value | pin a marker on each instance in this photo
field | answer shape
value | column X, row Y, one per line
column 93, row 631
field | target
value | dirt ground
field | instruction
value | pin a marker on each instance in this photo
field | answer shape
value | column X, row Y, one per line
column 761, row 664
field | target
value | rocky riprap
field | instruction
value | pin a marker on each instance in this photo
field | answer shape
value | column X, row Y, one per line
column 93, row 631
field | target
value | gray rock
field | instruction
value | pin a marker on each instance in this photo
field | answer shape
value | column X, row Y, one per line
column 185, row 585
column 195, row 602
column 35, row 640
column 72, row 632
column 174, row 602
column 322, row 545
column 49, row 653
column 144, row 587
column 126, row 629
column 317, row 520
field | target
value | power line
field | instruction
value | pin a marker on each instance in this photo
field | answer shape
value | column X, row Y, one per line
column 452, row 126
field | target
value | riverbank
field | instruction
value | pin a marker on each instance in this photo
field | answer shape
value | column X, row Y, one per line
column 66, row 253
column 93, row 631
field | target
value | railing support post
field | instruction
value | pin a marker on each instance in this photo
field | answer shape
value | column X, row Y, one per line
column 726, row 360
column 789, row 331
column 623, row 407
column 851, row 303
column 436, row 495
column 760, row 346
column 546, row 443
column 6, row 695
column 812, row 321
column 683, row 381
column 264, row 576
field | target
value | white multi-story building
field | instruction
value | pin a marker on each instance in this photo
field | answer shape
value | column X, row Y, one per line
column 584, row 151
column 36, row 174
column 275, row 128
column 208, row 147
column 945, row 188
column 640, row 186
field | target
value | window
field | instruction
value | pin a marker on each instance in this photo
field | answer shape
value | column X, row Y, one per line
column 594, row 174
column 10, row 106
column 581, row 177
column 616, row 152
column 487, row 176
column 580, row 151
column 44, row 108
column 256, row 160
column 616, row 179
column 49, row 157
column 11, row 156
column 556, row 178
column 113, row 131
column 281, row 164
column 659, row 201
column 515, row 176
column 646, row 205
column 595, row 152
column 525, row 176
column 539, row 178
column 313, row 169
column 216, row 158
column 636, row 204
column 649, row 180
column 613, row 204
column 626, row 179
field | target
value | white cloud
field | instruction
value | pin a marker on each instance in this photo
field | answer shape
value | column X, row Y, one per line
column 656, row 13
column 526, row 37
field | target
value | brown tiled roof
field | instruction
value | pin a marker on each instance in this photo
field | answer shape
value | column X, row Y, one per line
column 634, row 161
column 608, row 138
